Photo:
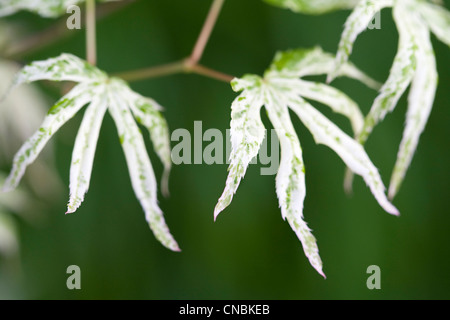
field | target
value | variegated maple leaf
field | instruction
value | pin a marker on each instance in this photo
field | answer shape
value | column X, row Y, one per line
column 414, row 64
column 20, row 114
column 281, row 88
column 44, row 8
column 102, row 93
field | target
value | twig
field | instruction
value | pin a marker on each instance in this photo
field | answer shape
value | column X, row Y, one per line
column 152, row 72
column 91, row 43
column 190, row 64
column 210, row 73
column 205, row 34
column 182, row 66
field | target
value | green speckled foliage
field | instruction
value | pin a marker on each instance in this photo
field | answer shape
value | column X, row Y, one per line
column 101, row 94
column 414, row 65
column 282, row 88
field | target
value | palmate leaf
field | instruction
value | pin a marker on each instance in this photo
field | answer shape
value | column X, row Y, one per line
column 314, row 6
column 102, row 94
column 414, row 63
column 279, row 90
column 44, row 8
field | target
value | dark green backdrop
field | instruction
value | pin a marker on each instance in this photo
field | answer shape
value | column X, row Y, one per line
column 250, row 252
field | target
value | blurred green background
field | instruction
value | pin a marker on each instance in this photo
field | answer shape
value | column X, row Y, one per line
column 249, row 252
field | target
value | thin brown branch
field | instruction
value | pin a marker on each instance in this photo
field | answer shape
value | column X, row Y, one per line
column 211, row 73
column 205, row 34
column 182, row 66
column 91, row 41
column 152, row 72
column 190, row 64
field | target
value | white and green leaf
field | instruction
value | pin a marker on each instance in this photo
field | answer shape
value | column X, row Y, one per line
column 247, row 134
column 57, row 116
column 65, row 67
column 139, row 165
column 281, row 89
column 400, row 75
column 420, row 103
column 101, row 93
column 147, row 112
column 338, row 101
column 414, row 20
column 299, row 63
column 350, row 151
column 290, row 180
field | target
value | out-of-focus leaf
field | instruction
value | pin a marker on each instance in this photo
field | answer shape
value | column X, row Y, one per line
column 414, row 63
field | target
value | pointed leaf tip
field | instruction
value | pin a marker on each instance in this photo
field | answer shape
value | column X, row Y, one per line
column 147, row 112
column 247, row 135
column 217, row 211
column 290, row 180
column 139, row 165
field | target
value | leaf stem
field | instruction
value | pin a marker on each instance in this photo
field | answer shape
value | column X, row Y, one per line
column 183, row 66
column 210, row 73
column 91, row 43
column 190, row 64
column 152, row 72
column 205, row 34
